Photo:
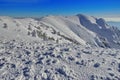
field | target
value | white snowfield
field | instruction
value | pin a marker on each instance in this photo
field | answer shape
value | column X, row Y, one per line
column 59, row 48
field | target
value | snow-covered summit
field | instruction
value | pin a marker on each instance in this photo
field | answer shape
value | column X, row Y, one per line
column 80, row 29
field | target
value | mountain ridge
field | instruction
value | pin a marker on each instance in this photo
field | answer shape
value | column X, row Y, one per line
column 86, row 30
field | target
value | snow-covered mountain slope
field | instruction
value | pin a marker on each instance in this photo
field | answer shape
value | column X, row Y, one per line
column 25, row 29
column 58, row 48
column 102, row 29
column 80, row 29
column 86, row 28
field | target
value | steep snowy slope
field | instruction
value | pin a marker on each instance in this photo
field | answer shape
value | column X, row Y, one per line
column 103, row 30
column 64, row 26
column 86, row 28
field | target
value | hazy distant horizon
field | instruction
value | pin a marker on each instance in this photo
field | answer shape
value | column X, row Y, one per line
column 112, row 21
column 107, row 9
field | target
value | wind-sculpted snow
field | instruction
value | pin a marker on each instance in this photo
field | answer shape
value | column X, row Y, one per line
column 50, row 61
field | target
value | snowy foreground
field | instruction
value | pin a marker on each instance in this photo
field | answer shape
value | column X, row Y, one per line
column 51, row 61
column 59, row 48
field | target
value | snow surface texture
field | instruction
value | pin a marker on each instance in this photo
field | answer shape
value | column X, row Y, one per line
column 59, row 48
column 51, row 61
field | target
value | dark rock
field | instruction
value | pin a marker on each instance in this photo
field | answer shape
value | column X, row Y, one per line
column 96, row 65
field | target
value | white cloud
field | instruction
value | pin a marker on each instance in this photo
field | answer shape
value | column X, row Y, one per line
column 113, row 19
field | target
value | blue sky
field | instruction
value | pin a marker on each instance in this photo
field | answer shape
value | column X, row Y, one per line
column 37, row 8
